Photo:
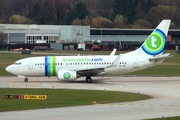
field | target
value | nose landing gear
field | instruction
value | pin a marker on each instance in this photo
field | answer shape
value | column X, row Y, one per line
column 26, row 80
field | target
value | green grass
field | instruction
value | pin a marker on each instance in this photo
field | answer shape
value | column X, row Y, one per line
column 166, row 118
column 63, row 98
column 160, row 70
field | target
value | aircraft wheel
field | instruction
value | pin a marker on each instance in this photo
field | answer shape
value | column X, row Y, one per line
column 88, row 79
column 26, row 80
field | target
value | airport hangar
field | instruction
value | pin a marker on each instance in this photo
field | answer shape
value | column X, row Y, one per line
column 72, row 37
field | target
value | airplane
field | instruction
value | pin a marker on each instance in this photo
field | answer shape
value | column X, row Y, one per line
column 69, row 68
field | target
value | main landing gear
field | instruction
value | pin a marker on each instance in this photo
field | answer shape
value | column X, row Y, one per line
column 26, row 80
column 88, row 79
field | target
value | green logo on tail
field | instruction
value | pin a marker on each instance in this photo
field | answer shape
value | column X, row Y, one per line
column 155, row 43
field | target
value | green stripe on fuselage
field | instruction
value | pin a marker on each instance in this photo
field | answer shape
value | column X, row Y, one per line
column 52, row 65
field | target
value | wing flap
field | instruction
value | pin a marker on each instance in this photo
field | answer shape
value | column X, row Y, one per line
column 90, row 71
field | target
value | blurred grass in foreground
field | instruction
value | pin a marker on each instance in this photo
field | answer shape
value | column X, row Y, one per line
column 63, row 98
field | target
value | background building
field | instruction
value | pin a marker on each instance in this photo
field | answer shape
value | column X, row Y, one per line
column 18, row 33
column 61, row 37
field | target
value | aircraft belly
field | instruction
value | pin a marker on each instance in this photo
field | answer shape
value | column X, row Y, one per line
column 24, row 71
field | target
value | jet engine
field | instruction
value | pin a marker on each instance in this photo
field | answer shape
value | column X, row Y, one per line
column 67, row 75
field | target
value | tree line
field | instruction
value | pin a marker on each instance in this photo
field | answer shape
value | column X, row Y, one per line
column 96, row 13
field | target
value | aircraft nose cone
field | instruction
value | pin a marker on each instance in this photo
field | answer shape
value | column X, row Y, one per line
column 9, row 69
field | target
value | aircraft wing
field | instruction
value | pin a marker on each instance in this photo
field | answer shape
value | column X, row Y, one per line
column 93, row 71
column 99, row 70
column 161, row 57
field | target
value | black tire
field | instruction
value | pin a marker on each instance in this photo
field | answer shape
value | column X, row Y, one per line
column 88, row 79
column 26, row 80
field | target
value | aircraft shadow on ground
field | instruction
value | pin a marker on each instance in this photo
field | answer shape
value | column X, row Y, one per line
column 96, row 80
column 33, row 80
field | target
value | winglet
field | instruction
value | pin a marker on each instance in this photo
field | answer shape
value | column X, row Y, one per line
column 115, row 63
column 113, row 52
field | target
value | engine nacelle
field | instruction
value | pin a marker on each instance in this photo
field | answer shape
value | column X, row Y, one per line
column 66, row 75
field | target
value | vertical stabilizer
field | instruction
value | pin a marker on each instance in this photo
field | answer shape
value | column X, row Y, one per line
column 155, row 43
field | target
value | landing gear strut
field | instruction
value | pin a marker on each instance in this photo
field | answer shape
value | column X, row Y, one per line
column 26, row 80
column 88, row 79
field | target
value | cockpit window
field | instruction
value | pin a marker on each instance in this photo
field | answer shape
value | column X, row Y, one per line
column 17, row 63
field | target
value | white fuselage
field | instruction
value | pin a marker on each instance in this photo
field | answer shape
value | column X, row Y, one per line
column 50, row 65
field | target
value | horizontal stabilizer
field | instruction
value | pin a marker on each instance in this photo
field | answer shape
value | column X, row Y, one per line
column 90, row 71
column 161, row 57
